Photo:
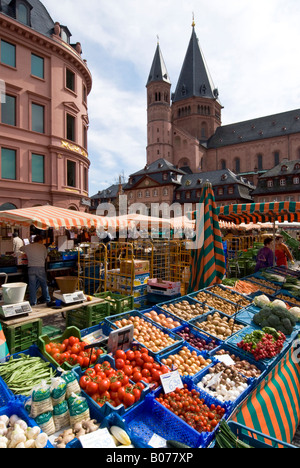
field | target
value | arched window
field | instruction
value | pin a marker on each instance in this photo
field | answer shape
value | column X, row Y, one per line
column 223, row 164
column 276, row 158
column 237, row 165
column 260, row 162
column 23, row 13
column 203, row 130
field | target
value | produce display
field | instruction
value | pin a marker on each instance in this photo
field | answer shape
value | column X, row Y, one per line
column 162, row 319
column 223, row 382
column 81, row 428
column 250, row 287
column 225, row 438
column 273, row 277
column 263, row 344
column 274, row 314
column 241, row 365
column 139, row 366
column 187, row 362
column 147, row 334
column 15, row 433
column 190, row 407
column 230, row 295
column 217, row 303
column 201, row 344
column 72, row 351
column 267, row 284
column 185, row 310
column 219, row 326
column 290, row 299
column 22, row 374
column 104, row 384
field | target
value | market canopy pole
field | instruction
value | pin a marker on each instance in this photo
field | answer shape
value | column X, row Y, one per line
column 208, row 265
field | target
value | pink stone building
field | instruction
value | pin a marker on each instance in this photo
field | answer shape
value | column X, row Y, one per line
column 44, row 121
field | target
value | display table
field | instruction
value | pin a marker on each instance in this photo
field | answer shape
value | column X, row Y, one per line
column 273, row 408
column 42, row 311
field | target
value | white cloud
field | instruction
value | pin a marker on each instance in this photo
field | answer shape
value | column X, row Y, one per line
column 251, row 48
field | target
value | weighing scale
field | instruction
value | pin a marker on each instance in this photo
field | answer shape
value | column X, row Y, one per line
column 70, row 298
column 9, row 311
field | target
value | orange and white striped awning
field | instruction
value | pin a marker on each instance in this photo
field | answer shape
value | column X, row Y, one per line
column 44, row 217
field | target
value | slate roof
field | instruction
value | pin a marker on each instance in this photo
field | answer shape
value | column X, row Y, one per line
column 41, row 21
column 194, row 79
column 108, row 193
column 261, row 128
column 216, row 178
column 158, row 70
column 291, row 168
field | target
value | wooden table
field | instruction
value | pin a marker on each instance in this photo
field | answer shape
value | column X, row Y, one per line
column 42, row 311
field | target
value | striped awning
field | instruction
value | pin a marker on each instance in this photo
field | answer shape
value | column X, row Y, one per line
column 45, row 217
column 260, row 212
column 208, row 264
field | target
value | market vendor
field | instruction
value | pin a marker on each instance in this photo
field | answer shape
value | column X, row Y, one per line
column 265, row 256
column 282, row 252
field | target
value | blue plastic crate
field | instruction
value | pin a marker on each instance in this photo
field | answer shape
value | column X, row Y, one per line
column 205, row 437
column 103, row 326
column 5, row 394
column 254, row 438
column 16, row 407
column 187, row 298
column 107, row 408
column 196, row 332
column 228, row 290
column 246, row 315
column 202, row 319
column 235, row 339
column 209, row 293
column 111, row 321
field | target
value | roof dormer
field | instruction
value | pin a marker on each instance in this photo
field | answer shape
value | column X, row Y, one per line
column 22, row 11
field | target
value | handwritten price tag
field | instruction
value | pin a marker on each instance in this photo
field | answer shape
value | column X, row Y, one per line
column 171, row 381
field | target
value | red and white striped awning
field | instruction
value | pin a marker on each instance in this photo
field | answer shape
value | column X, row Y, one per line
column 44, row 217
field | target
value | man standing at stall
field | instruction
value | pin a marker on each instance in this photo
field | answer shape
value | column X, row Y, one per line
column 36, row 255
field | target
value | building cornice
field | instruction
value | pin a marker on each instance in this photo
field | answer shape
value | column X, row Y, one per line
column 53, row 44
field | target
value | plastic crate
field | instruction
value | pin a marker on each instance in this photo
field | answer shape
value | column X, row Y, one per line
column 158, row 310
column 211, row 295
column 118, row 303
column 187, row 298
column 235, row 295
column 107, row 408
column 5, row 394
column 253, row 438
column 17, row 408
column 88, row 316
column 103, row 326
column 202, row 319
column 111, row 320
column 196, row 332
column 51, row 331
column 20, row 337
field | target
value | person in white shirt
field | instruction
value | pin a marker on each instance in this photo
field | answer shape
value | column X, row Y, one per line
column 17, row 244
column 36, row 255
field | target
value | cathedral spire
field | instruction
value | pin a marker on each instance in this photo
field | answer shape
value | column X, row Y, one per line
column 194, row 79
column 158, row 70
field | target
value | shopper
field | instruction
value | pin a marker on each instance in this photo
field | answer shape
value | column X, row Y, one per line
column 265, row 257
column 282, row 252
column 17, row 243
column 36, row 255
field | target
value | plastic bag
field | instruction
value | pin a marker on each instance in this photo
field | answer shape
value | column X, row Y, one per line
column 40, row 400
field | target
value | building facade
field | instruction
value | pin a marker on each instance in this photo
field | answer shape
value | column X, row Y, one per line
column 44, row 113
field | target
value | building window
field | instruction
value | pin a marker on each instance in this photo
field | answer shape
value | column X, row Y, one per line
column 70, row 127
column 260, row 162
column 8, row 54
column 296, row 180
column 8, row 110
column 70, row 80
column 37, row 66
column 188, row 195
column 198, row 193
column 178, row 196
column 276, row 158
column 37, row 118
column 220, row 191
column 84, row 94
column 223, row 164
column 85, row 179
column 85, row 143
column 282, row 182
column 147, row 194
column 130, row 196
column 230, row 190
column 270, row 183
column 65, row 34
column 165, row 176
column 165, row 192
column 155, row 193
column 8, row 164
column 23, row 14
column 37, row 168
column 237, row 165
column 140, row 194
column 71, row 174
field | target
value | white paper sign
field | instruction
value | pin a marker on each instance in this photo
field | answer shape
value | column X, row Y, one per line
column 171, row 381
column 120, row 339
column 97, row 439
column 226, row 359
column 157, row 442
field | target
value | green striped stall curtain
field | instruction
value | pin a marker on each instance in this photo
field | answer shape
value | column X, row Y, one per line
column 273, row 408
column 260, row 212
column 3, row 345
column 208, row 265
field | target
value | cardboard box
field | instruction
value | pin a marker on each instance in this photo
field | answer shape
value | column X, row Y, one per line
column 162, row 287
column 127, row 267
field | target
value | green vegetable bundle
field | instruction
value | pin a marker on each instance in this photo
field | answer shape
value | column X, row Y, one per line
column 276, row 317
column 225, row 438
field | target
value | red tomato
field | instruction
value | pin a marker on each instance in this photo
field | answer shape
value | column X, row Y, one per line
column 86, row 362
column 84, row 380
column 120, row 363
column 79, row 361
column 137, row 393
column 164, row 370
column 139, row 385
column 121, row 393
column 98, row 368
column 76, row 348
column 91, row 388
column 155, row 374
column 48, row 348
column 115, row 384
column 137, row 376
column 128, row 370
column 137, row 354
column 139, row 361
column 129, row 399
column 66, row 342
column 130, row 355
column 64, row 357
column 73, row 340
column 91, row 372
column 147, row 358
column 146, row 373
column 54, row 351
column 104, row 385
column 120, row 354
column 57, row 357
column 63, row 348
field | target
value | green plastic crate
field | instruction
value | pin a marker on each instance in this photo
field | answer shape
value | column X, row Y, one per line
column 51, row 331
column 88, row 316
column 118, row 303
column 45, row 339
column 21, row 337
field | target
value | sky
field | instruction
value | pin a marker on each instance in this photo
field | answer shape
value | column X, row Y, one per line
column 251, row 48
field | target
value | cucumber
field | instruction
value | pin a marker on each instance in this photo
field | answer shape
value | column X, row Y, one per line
column 175, row 444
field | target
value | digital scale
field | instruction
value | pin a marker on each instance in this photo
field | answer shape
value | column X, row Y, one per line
column 9, row 311
column 70, row 298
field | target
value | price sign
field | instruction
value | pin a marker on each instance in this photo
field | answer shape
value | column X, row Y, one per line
column 171, row 381
column 120, row 339
column 97, row 439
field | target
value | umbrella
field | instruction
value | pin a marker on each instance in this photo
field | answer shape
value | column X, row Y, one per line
column 208, row 265
column 3, row 346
